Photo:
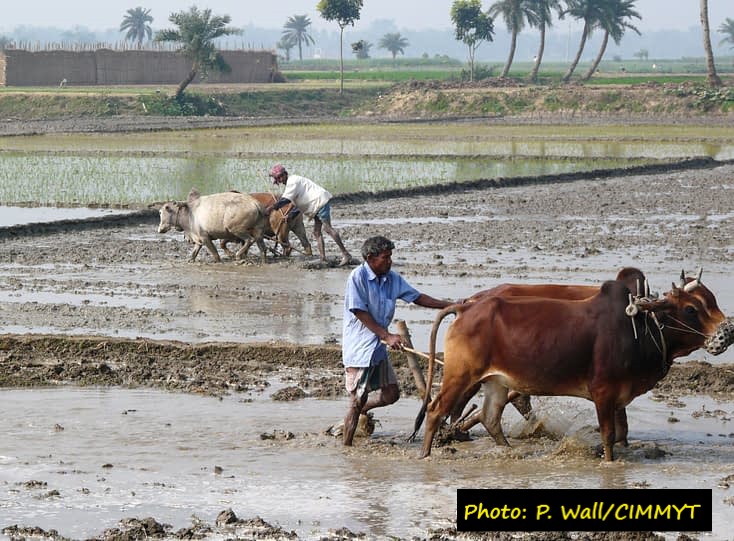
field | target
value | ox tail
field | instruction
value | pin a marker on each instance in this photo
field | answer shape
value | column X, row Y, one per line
column 453, row 309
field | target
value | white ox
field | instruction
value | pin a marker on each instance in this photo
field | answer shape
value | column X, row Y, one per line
column 204, row 218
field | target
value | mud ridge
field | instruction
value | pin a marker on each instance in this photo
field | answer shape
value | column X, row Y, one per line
column 150, row 215
column 218, row 368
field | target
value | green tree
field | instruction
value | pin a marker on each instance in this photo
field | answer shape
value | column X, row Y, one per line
column 514, row 13
column 196, row 31
column 394, row 43
column 590, row 12
column 344, row 12
column 642, row 54
column 471, row 26
column 296, row 30
column 542, row 20
column 6, row 43
column 361, row 49
column 286, row 43
column 713, row 78
column 727, row 28
column 137, row 24
column 614, row 22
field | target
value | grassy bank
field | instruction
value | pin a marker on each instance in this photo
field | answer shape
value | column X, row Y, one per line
column 367, row 97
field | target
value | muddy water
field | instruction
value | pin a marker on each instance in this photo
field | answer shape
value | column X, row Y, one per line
column 288, row 301
column 29, row 215
column 112, row 454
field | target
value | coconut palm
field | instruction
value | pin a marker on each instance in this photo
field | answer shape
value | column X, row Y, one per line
column 361, row 49
column 615, row 21
column 196, row 31
column 137, row 23
column 727, row 28
column 514, row 13
column 713, row 78
column 286, row 43
column 394, row 43
column 589, row 11
column 296, row 30
column 542, row 20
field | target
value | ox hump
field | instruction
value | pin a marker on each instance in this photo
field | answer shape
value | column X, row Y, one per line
column 193, row 195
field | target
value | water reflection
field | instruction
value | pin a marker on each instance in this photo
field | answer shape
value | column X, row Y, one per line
column 125, row 453
column 140, row 168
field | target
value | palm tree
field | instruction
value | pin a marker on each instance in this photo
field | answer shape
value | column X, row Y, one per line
column 614, row 22
column 515, row 13
column 286, row 43
column 361, row 49
column 713, row 78
column 727, row 28
column 296, row 30
column 543, row 19
column 589, row 11
column 196, row 33
column 136, row 22
column 394, row 43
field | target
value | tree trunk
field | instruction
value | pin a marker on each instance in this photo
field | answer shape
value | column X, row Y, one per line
column 300, row 51
column 341, row 60
column 513, row 46
column 597, row 60
column 185, row 83
column 539, row 56
column 576, row 60
column 471, row 64
column 713, row 78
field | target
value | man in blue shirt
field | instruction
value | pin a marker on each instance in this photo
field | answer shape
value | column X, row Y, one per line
column 369, row 305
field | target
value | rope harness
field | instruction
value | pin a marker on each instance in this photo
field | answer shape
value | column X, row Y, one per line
column 634, row 308
column 715, row 344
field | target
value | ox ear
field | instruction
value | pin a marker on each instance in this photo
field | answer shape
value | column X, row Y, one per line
column 193, row 195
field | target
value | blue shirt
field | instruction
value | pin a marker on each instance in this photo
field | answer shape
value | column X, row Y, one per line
column 377, row 295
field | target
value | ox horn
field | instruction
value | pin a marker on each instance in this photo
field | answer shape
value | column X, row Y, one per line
column 690, row 286
column 682, row 282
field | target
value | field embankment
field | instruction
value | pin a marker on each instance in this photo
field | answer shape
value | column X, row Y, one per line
column 408, row 100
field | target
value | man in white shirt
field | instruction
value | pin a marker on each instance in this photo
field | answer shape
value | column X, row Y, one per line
column 313, row 201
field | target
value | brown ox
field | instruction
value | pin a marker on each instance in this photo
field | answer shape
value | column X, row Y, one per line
column 278, row 226
column 632, row 277
column 585, row 348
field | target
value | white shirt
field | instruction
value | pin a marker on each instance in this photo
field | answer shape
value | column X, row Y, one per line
column 304, row 193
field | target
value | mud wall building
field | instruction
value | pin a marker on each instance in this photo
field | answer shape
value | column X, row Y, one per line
column 108, row 67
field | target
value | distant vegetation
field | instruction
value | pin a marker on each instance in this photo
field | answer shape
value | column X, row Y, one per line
column 615, row 71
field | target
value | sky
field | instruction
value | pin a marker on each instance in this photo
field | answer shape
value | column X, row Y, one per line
column 412, row 14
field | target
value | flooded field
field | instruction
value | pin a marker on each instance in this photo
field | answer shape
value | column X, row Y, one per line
column 81, row 459
column 137, row 169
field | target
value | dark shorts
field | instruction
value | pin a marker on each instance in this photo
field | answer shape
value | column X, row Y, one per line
column 324, row 213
